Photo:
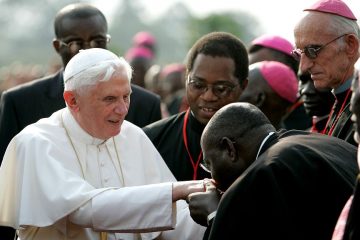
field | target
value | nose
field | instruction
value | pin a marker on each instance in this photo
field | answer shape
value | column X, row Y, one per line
column 86, row 45
column 121, row 108
column 208, row 94
column 305, row 63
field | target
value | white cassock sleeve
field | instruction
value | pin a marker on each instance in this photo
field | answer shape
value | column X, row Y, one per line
column 133, row 209
column 107, row 214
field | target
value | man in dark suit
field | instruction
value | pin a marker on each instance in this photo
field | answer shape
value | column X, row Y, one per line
column 277, row 185
column 77, row 26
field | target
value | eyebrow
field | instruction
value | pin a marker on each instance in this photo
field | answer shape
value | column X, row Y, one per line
column 216, row 82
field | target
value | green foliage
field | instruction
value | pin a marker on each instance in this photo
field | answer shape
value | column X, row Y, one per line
column 29, row 37
column 235, row 23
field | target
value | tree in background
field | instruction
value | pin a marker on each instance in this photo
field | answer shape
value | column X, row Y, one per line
column 241, row 24
column 28, row 29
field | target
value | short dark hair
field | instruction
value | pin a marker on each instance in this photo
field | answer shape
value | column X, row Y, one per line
column 221, row 44
column 76, row 10
column 235, row 121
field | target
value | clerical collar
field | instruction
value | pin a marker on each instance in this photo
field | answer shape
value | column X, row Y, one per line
column 76, row 132
column 194, row 124
column 343, row 87
column 262, row 143
column 316, row 119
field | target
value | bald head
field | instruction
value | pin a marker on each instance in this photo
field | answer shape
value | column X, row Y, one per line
column 231, row 140
column 236, row 121
column 76, row 11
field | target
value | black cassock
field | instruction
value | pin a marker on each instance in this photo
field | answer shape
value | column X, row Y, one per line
column 295, row 190
column 168, row 137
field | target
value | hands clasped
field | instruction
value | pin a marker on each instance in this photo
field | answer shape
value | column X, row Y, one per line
column 201, row 204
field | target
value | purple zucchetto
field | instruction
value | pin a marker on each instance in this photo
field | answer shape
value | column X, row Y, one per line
column 336, row 7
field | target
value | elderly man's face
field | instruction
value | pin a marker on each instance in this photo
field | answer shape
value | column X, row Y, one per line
column 329, row 69
column 102, row 109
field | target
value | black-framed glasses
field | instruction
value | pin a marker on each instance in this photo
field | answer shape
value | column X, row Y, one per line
column 76, row 45
column 312, row 51
column 220, row 89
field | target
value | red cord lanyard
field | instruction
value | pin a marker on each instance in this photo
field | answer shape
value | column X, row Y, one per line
column 295, row 105
column 195, row 165
column 338, row 116
column 313, row 127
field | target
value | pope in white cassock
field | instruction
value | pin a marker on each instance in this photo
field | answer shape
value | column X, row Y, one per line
column 86, row 173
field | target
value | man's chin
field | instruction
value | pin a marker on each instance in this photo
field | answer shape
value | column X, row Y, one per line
column 204, row 117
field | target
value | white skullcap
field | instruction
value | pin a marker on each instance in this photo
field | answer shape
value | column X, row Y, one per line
column 86, row 59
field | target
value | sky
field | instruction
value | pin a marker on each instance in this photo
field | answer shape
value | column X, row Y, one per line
column 276, row 16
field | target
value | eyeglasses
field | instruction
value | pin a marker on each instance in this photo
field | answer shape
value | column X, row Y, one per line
column 76, row 45
column 205, row 166
column 221, row 90
column 312, row 51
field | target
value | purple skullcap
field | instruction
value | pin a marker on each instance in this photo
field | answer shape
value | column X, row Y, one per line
column 171, row 68
column 336, row 7
column 275, row 42
column 281, row 79
column 144, row 38
column 138, row 52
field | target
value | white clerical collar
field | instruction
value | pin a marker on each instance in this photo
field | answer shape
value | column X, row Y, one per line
column 262, row 144
column 76, row 132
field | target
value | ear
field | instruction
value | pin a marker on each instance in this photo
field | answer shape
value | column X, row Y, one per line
column 229, row 146
column 260, row 99
column 56, row 45
column 352, row 44
column 71, row 101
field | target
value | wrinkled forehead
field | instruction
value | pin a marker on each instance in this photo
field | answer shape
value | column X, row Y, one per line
column 312, row 28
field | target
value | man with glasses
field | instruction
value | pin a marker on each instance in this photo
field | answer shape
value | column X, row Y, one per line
column 327, row 45
column 76, row 26
column 216, row 74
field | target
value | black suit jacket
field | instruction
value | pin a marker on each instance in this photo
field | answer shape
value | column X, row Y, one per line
column 27, row 103
column 144, row 107
column 295, row 190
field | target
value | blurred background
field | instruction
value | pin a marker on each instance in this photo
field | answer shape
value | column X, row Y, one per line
column 27, row 27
